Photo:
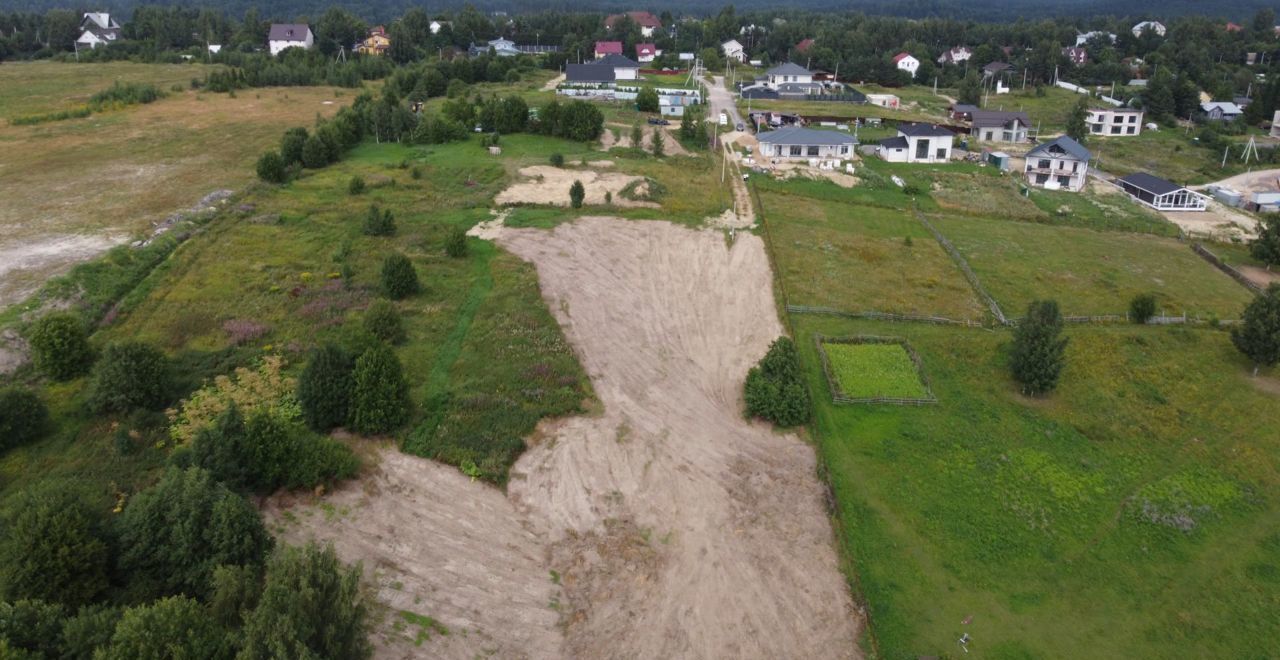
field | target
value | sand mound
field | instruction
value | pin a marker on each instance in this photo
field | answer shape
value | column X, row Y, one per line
column 550, row 185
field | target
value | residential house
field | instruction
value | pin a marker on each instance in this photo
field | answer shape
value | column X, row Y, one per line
column 1154, row 26
column 787, row 73
column 1001, row 126
column 647, row 22
column 906, row 62
column 623, row 68
column 289, row 35
column 962, row 111
column 646, row 52
column 957, row 55
column 376, row 43
column 1221, row 110
column 796, row 143
column 1085, row 37
column 588, row 75
column 436, row 26
column 604, row 48
column 917, row 143
column 1076, row 55
column 1160, row 194
column 1114, row 121
column 804, row 46
column 1060, row 164
column 733, row 50
column 994, row 69
column 503, row 47
column 97, row 29
column 884, row 100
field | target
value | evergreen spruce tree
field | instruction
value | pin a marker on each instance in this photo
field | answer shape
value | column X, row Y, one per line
column 1038, row 348
column 1258, row 337
column 399, row 278
column 380, row 398
column 324, row 388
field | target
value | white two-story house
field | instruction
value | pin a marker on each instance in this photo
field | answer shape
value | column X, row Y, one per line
column 289, row 35
column 1109, row 122
column 917, row 143
column 1060, row 164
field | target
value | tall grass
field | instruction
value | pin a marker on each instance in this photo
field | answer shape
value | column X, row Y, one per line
column 118, row 95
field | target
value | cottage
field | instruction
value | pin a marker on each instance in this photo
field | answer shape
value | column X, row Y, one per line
column 1162, row 195
column 962, row 111
column 957, row 55
column 995, row 69
column 734, row 51
column 905, row 62
column 917, row 143
column 1076, row 55
column 377, row 43
column 1221, row 111
column 646, row 52
column 588, row 75
column 97, row 29
column 604, row 48
column 1155, row 27
column 623, row 68
column 787, row 73
column 289, row 35
column 1085, row 37
column 1001, row 126
column 1060, row 164
column 884, row 100
column 795, row 143
column 1114, row 121
column 648, row 22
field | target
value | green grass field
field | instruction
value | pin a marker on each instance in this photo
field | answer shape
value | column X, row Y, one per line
column 871, row 370
column 1090, row 272
column 30, row 88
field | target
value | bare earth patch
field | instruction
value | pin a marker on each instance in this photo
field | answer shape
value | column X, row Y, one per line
column 1260, row 276
column 667, row 526
column 550, row 185
column 1217, row 222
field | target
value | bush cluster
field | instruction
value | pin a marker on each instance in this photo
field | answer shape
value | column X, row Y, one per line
column 369, row 394
column 455, row 245
column 382, row 320
column 60, row 345
column 399, row 278
column 23, row 417
column 379, row 222
column 130, row 375
column 775, row 389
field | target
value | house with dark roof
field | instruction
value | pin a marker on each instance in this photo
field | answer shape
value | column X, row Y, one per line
column 604, row 48
column 647, row 21
column 796, row 143
column 1160, row 194
column 993, row 69
column 787, row 73
column 624, row 68
column 962, row 111
column 289, row 35
column 1059, row 164
column 588, row 74
column 97, row 29
column 917, row 143
column 1001, row 126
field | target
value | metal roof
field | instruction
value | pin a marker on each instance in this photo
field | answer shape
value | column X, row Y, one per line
column 923, row 130
column 288, row 32
column 788, row 69
column 806, row 136
column 588, row 73
column 1152, row 184
column 894, row 143
column 994, row 118
column 1066, row 144
column 618, row 61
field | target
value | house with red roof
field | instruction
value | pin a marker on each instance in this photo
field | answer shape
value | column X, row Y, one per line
column 646, row 52
column 604, row 48
column 905, row 62
column 804, row 46
column 647, row 22
column 1234, row 27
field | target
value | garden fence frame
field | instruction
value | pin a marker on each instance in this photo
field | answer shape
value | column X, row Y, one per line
column 833, row 384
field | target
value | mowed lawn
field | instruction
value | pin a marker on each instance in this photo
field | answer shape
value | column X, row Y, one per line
column 1090, row 272
column 484, row 358
column 861, row 258
column 1133, row 513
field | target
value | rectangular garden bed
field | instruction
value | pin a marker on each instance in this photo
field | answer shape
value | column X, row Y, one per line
column 871, row 369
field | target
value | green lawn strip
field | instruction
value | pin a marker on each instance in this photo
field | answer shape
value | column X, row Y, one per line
column 874, row 370
column 1046, row 519
column 1112, row 212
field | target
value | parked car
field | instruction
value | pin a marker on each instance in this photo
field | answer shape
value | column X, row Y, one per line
column 724, row 119
column 658, row 121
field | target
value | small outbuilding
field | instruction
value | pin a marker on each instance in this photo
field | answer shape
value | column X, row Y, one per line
column 1160, row 194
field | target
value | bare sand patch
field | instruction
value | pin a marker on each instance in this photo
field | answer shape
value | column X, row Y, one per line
column 1260, row 276
column 550, row 185
column 1217, row 222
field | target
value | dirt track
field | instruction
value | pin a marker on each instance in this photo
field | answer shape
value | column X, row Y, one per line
column 667, row 526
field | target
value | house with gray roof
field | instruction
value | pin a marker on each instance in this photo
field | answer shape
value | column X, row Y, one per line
column 289, row 35
column 917, row 143
column 624, row 68
column 588, row 74
column 787, row 73
column 97, row 29
column 796, row 143
column 1059, row 164
column 1160, row 194
column 1000, row 126
column 1221, row 110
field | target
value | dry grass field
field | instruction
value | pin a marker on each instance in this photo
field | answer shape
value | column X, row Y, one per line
column 74, row 188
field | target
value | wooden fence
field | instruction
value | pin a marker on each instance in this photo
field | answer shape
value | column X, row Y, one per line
column 883, row 316
column 964, row 268
column 833, row 382
column 1226, row 268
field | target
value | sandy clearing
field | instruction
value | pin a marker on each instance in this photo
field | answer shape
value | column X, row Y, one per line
column 27, row 264
column 1259, row 181
column 436, row 544
column 681, row 529
column 550, row 185
column 670, row 147
column 553, row 83
column 1218, row 222
column 1260, row 276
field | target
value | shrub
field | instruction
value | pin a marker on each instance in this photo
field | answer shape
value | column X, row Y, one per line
column 266, row 453
column 23, row 417
column 382, row 320
column 399, row 278
column 658, row 141
column 173, row 534
column 262, row 388
column 1266, row 247
column 557, row 159
column 774, row 389
column 576, row 194
column 355, row 186
column 647, row 100
column 378, row 222
column 1142, row 308
column 175, row 627
column 455, row 245
column 315, row 154
column 61, row 345
column 129, row 375
column 324, row 389
column 271, row 168
column 33, row 626
column 291, row 145
column 1038, row 348
column 380, row 398
column 911, row 190
column 1258, row 336
column 90, row 629
column 53, row 548
column 416, row 172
